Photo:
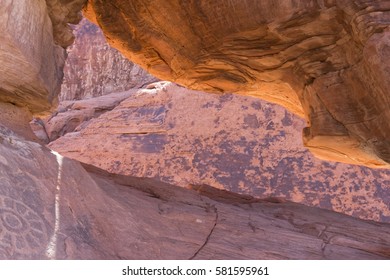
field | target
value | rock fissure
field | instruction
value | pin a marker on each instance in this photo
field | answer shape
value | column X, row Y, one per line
column 209, row 235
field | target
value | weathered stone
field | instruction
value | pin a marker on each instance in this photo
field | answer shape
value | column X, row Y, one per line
column 52, row 208
column 326, row 60
column 231, row 142
column 93, row 68
column 37, row 125
column 18, row 118
column 63, row 12
column 31, row 63
column 70, row 114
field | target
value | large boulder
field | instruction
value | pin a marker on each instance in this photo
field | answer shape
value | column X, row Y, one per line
column 231, row 142
column 325, row 60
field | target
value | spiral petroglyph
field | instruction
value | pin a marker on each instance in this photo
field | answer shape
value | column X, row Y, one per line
column 22, row 230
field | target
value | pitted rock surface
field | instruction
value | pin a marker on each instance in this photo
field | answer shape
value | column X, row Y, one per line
column 232, row 142
column 54, row 208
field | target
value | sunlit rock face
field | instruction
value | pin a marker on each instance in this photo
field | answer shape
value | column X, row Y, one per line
column 91, row 53
column 231, row 142
column 325, row 60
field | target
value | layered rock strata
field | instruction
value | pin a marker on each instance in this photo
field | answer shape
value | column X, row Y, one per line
column 326, row 60
column 231, row 142
column 32, row 52
column 111, row 71
column 31, row 63
column 73, row 115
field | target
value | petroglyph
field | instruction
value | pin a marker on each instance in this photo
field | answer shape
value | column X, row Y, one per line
column 22, row 230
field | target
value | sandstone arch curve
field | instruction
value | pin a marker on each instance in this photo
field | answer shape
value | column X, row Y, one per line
column 326, row 60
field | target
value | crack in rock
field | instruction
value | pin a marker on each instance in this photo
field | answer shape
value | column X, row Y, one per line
column 208, row 236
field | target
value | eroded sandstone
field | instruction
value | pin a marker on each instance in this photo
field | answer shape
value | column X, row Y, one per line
column 62, row 13
column 72, row 115
column 91, row 54
column 326, row 60
column 52, row 208
column 31, row 63
column 231, row 142
column 32, row 54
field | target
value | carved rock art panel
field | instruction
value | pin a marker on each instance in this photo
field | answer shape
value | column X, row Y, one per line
column 22, row 230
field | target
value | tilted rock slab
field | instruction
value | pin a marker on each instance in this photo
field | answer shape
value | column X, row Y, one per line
column 72, row 115
column 326, row 60
column 231, row 142
column 52, row 208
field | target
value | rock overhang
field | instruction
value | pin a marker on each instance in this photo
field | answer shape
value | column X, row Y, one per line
column 324, row 60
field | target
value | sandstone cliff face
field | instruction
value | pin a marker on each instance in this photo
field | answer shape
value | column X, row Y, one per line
column 91, row 54
column 31, row 63
column 231, row 142
column 62, row 13
column 32, row 52
column 326, row 60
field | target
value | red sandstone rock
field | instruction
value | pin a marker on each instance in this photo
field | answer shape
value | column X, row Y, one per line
column 52, row 208
column 326, row 60
column 62, row 13
column 111, row 72
column 231, row 142
column 31, row 63
column 71, row 114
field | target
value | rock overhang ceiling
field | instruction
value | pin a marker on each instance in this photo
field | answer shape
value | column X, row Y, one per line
column 324, row 60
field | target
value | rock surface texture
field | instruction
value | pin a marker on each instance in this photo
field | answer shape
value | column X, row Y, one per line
column 52, row 208
column 231, row 142
column 91, row 54
column 72, row 115
column 324, row 59
column 32, row 52
column 31, row 63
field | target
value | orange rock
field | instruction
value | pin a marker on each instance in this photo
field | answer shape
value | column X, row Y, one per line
column 52, row 207
column 326, row 60
column 231, row 142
